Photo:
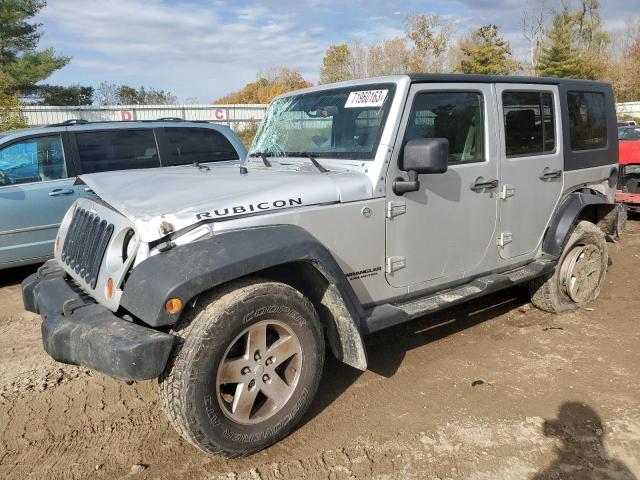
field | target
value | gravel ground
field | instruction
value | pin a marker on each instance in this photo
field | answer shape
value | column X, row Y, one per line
column 494, row 389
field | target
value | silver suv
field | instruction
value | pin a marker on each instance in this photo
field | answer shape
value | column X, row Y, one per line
column 362, row 205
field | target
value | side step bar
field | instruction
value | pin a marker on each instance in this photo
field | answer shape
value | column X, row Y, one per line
column 387, row 315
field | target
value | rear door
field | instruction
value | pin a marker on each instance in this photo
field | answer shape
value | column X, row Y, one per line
column 531, row 165
column 35, row 193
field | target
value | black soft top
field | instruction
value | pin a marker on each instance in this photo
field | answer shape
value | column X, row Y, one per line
column 467, row 78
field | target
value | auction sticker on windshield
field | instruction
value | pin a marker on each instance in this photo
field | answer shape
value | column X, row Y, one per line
column 366, row 98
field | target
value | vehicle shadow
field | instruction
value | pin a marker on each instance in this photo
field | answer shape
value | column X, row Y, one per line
column 582, row 454
column 387, row 348
column 14, row 276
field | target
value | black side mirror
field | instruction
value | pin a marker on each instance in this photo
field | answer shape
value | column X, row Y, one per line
column 421, row 156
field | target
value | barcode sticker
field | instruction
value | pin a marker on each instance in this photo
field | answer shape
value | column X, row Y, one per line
column 366, row 98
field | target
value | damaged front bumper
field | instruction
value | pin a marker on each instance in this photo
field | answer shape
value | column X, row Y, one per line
column 78, row 331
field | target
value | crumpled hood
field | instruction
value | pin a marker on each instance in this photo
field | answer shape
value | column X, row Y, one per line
column 183, row 196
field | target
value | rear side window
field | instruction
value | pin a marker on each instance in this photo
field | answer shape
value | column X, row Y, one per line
column 528, row 123
column 587, row 120
column 456, row 116
column 189, row 145
column 32, row 160
column 108, row 150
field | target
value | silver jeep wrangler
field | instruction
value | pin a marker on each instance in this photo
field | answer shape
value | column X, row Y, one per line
column 361, row 205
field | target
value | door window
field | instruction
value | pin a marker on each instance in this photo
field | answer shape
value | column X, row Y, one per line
column 108, row 150
column 528, row 123
column 33, row 160
column 456, row 116
column 189, row 145
column 588, row 120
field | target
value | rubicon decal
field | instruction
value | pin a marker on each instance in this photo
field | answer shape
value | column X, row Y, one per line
column 249, row 208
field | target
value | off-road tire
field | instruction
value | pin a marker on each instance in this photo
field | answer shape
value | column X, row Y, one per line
column 547, row 292
column 188, row 385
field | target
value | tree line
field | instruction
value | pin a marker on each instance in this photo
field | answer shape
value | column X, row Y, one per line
column 563, row 42
column 567, row 40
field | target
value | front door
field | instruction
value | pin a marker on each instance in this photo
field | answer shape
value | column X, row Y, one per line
column 446, row 229
column 531, row 165
column 35, row 193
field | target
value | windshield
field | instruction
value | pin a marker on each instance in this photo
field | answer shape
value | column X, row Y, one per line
column 338, row 123
column 629, row 133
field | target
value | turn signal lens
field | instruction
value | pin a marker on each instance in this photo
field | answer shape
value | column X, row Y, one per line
column 56, row 247
column 108, row 289
column 173, row 305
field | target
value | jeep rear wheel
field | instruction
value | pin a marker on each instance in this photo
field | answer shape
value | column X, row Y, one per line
column 247, row 365
column 579, row 274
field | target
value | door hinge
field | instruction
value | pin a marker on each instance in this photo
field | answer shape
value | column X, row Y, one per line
column 396, row 208
column 395, row 263
column 507, row 191
column 504, row 239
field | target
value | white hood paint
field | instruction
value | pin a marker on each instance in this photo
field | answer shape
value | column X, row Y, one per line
column 183, row 196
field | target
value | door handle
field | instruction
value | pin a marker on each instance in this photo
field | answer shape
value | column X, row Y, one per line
column 548, row 174
column 88, row 190
column 58, row 192
column 480, row 184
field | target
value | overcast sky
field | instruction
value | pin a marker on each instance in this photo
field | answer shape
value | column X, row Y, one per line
column 206, row 48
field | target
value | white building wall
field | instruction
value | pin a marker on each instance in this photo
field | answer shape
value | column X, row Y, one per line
column 630, row 108
column 237, row 117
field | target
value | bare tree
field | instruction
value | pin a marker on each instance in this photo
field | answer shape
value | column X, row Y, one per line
column 388, row 58
column 534, row 19
column 358, row 67
column 106, row 94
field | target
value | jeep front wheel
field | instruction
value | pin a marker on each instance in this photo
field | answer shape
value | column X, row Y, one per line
column 247, row 365
column 579, row 274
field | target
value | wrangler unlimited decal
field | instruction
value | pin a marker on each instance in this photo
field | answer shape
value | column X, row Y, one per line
column 248, row 208
column 368, row 272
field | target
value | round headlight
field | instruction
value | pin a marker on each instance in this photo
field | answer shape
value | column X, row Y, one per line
column 128, row 245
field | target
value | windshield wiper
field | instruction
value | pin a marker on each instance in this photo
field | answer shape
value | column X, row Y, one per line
column 263, row 156
column 311, row 156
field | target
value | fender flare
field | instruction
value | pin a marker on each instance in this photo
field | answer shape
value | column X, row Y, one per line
column 188, row 270
column 565, row 218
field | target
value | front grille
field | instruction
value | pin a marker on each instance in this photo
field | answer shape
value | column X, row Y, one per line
column 85, row 244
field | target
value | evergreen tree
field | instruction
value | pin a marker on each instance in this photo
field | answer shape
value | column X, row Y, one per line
column 9, row 103
column 485, row 52
column 61, row 96
column 559, row 57
column 574, row 46
column 19, row 57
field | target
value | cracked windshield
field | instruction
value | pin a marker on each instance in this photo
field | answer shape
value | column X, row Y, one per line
column 340, row 123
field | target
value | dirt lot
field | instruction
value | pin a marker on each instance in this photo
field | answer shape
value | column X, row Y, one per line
column 491, row 390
